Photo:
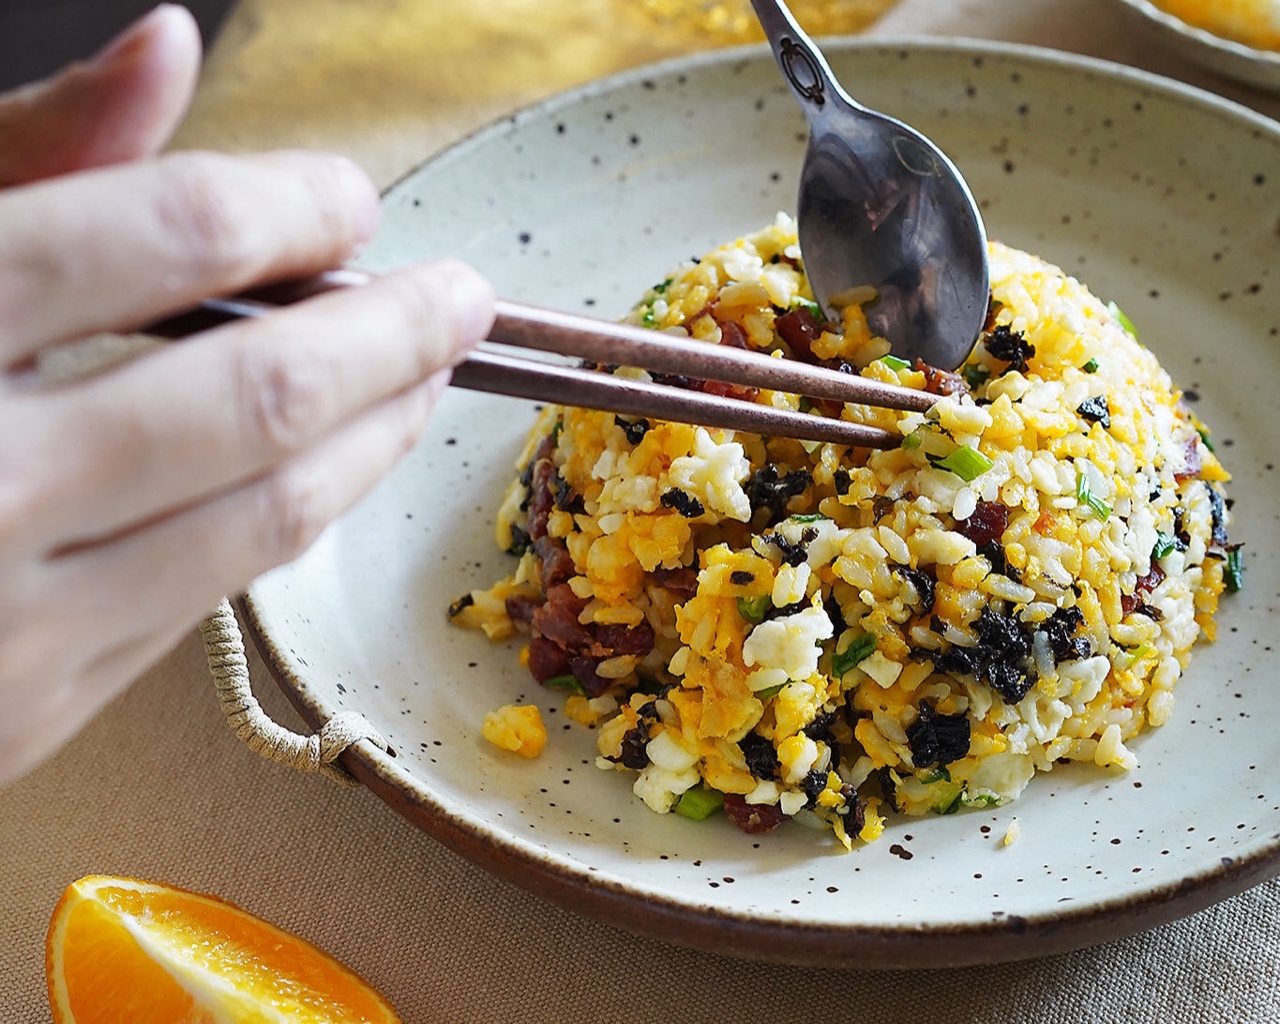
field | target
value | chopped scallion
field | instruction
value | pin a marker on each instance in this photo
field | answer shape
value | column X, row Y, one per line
column 699, row 803
column 567, row 682
column 965, row 462
column 648, row 319
column 1204, row 436
column 975, row 375
column 753, row 609
column 663, row 286
column 911, row 442
column 1125, row 322
column 1090, row 367
column 1085, row 496
column 770, row 691
column 894, row 363
column 812, row 517
column 1235, row 570
column 1164, row 544
column 859, row 649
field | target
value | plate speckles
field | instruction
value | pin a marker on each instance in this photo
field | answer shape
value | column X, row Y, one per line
column 1083, row 165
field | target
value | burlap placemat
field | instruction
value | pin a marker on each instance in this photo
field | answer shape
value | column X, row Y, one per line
column 158, row 787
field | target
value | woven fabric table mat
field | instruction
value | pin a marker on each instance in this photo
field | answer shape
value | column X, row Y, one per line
column 157, row 787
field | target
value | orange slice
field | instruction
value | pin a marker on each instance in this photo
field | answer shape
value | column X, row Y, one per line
column 122, row 950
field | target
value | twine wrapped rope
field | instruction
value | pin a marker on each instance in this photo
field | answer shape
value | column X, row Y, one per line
column 319, row 752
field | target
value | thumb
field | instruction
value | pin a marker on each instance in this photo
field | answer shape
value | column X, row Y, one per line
column 121, row 104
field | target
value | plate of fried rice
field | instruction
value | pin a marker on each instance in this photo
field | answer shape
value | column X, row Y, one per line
column 997, row 692
column 1236, row 38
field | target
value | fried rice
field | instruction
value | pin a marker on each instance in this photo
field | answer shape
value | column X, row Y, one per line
column 789, row 630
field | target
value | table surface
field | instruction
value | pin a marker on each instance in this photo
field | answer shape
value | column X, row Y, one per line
column 157, row 786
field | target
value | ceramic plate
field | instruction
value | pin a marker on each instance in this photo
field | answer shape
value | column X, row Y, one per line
column 1225, row 56
column 582, row 202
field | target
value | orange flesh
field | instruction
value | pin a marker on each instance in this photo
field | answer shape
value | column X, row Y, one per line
column 122, row 951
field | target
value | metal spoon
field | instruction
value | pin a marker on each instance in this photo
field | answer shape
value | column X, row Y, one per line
column 882, row 211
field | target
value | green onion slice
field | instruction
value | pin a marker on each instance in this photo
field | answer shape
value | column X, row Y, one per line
column 753, row 609
column 894, row 363
column 1125, row 322
column 859, row 649
column 975, row 375
column 1164, row 544
column 812, row 307
column 699, row 803
column 566, row 682
column 965, row 462
column 1086, row 497
column 1091, row 366
column 1235, row 570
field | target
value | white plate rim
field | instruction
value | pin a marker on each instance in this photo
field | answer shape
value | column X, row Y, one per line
column 984, row 941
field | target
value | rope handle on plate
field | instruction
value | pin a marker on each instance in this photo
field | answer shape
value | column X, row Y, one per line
column 224, row 647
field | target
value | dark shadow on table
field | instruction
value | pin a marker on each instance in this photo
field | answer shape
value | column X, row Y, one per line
column 39, row 36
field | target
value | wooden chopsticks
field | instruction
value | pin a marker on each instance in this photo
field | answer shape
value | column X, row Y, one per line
column 611, row 344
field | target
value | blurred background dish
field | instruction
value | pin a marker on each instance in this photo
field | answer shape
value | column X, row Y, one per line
column 1216, row 38
column 721, row 22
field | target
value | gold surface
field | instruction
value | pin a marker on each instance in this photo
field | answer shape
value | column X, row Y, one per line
column 389, row 82
column 732, row 21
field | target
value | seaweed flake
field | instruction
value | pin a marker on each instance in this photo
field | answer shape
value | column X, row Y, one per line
column 519, row 541
column 566, row 499
column 820, row 727
column 1002, row 634
column 856, row 807
column 937, row 739
column 633, row 429
column 887, row 789
column 1009, row 679
column 1096, row 410
column 1060, row 629
column 792, row 554
column 813, row 784
column 457, row 607
column 740, row 577
column 760, row 755
column 842, row 480
column 1217, row 511
column 923, row 584
column 635, row 744
column 960, row 660
column 993, row 552
column 1009, row 346
column 683, row 502
column 880, row 507
column 766, row 489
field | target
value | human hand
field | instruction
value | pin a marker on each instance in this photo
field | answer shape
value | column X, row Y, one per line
column 132, row 500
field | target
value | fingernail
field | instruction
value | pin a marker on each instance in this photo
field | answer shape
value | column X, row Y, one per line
column 130, row 40
column 472, row 298
column 362, row 194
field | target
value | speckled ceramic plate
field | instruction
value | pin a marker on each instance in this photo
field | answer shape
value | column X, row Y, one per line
column 1225, row 56
column 582, row 202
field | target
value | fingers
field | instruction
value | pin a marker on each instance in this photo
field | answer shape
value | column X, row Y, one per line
column 121, row 104
column 111, row 249
column 175, row 569
column 196, row 418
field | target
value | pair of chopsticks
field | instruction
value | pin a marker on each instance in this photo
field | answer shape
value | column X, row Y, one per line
column 612, row 344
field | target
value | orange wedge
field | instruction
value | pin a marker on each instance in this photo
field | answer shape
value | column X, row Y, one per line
column 122, row 950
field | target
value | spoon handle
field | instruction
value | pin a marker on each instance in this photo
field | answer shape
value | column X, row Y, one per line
column 803, row 66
